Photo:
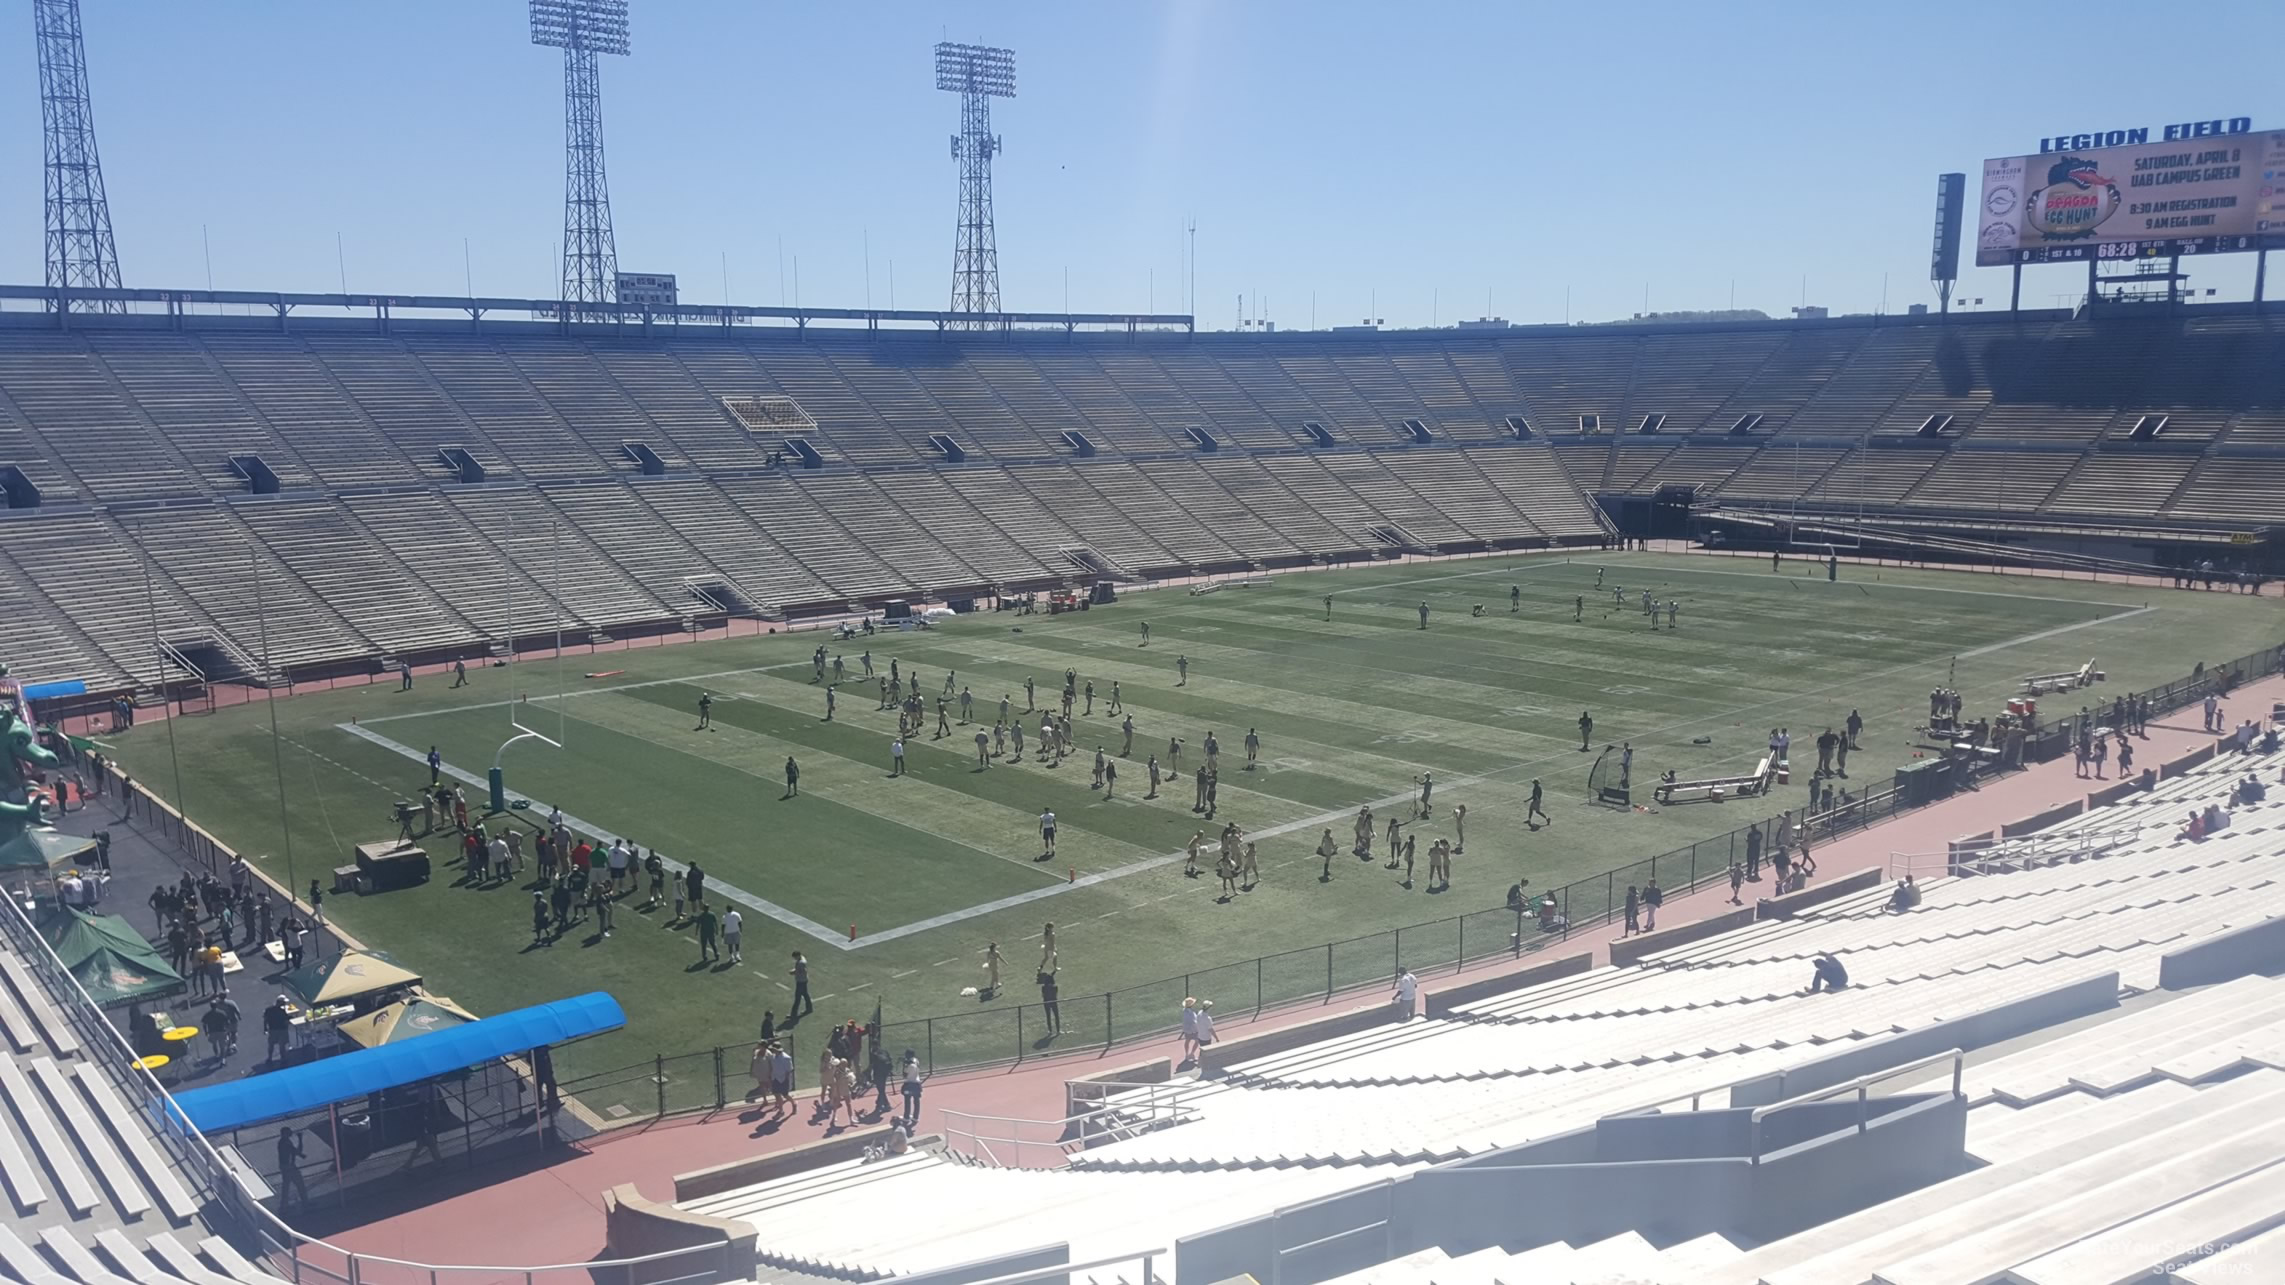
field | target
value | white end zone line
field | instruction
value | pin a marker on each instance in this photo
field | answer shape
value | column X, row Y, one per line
column 840, row 941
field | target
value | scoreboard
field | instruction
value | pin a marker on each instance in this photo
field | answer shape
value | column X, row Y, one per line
column 2205, row 195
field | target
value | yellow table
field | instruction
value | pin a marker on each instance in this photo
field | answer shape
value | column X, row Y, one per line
column 181, row 1035
column 153, row 1061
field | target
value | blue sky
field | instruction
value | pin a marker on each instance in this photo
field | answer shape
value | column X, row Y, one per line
column 1416, row 162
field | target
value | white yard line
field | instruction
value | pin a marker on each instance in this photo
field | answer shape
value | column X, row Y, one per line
column 730, row 891
column 691, row 680
column 1328, row 818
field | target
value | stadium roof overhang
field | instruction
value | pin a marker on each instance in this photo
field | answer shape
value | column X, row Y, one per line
column 311, row 1086
column 606, row 313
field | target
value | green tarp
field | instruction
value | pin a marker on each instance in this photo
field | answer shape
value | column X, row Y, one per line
column 110, row 959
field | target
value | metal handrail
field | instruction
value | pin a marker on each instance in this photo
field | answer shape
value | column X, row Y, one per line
column 1859, row 1086
column 1062, row 1138
column 1060, row 1270
column 168, row 1122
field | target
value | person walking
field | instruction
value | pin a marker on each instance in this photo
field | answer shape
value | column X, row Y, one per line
column 1633, row 911
column 290, row 1179
column 792, row 778
column 801, row 1001
column 1737, row 882
column 1652, row 899
column 733, row 934
column 1048, row 997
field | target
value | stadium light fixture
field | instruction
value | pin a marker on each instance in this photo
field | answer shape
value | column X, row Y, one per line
column 963, row 69
column 979, row 74
column 590, row 26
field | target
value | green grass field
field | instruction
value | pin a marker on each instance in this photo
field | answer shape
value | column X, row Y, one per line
column 931, row 867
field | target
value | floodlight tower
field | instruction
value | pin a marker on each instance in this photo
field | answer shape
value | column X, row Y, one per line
column 583, row 30
column 79, row 248
column 979, row 74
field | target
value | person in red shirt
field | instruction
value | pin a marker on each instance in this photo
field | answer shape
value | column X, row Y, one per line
column 580, row 856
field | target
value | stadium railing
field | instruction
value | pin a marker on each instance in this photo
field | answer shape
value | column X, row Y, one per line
column 232, row 1207
column 700, row 1080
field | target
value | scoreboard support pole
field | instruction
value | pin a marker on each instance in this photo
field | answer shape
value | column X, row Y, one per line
column 2015, row 291
column 2260, row 275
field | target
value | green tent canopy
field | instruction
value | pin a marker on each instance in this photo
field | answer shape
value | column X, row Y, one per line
column 350, row 975
column 40, row 848
column 111, row 960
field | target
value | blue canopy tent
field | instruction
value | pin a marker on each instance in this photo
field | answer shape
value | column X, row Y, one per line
column 315, row 1085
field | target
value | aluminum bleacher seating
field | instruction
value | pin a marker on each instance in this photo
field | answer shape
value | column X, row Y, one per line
column 1455, row 412
column 214, row 561
column 41, row 642
column 344, row 392
column 1531, row 479
column 492, row 392
column 1235, row 412
column 84, row 565
column 924, row 498
column 292, row 391
column 2121, row 482
column 831, row 552
column 175, row 384
column 753, row 561
column 583, row 395
column 1071, row 496
column 459, row 564
column 548, row 542
column 677, row 406
column 2158, row 1116
column 1231, row 518
column 1271, row 387
column 85, row 423
column 1321, row 380
column 381, row 597
column 2002, row 481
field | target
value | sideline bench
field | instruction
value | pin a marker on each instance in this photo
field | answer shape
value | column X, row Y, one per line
column 2084, row 676
column 1713, row 787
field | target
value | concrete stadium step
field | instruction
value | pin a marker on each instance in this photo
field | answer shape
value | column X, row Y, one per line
column 24, row 1263
column 2073, row 1201
column 2035, row 1131
column 182, row 1262
column 127, row 1194
column 1419, row 1266
column 74, row 1188
column 832, row 1180
column 232, row 1264
column 2132, row 1250
column 2257, row 1258
column 1615, row 1258
column 34, row 1000
column 179, row 1206
column 1479, row 1268
column 80, row 1261
column 1851, row 1247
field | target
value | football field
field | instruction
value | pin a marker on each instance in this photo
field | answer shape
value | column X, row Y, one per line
column 1350, row 704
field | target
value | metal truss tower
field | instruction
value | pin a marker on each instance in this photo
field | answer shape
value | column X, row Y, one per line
column 979, row 74
column 584, row 30
column 80, row 252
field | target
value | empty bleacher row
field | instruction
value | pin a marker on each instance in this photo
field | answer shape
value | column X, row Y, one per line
column 2204, row 1070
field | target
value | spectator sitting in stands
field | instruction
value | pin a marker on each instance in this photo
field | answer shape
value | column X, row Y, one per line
column 1906, row 896
column 2196, row 829
column 1830, row 976
column 2249, row 790
column 2216, row 818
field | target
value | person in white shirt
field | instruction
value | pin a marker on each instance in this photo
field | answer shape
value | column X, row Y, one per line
column 1407, row 992
column 1047, row 833
column 733, row 925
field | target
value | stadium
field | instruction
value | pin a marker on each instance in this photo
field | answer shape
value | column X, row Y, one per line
column 470, row 692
